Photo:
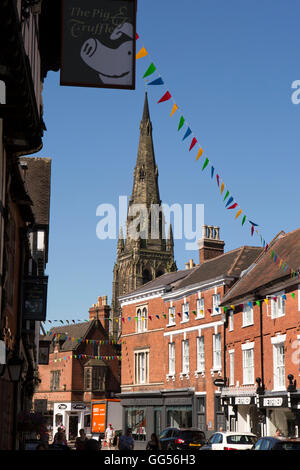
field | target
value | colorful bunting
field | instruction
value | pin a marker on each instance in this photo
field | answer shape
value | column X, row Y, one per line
column 188, row 132
column 200, row 152
column 205, row 164
column 229, row 201
column 151, row 69
column 142, row 53
column 217, row 176
column 157, row 81
column 233, row 206
column 181, row 122
column 174, row 109
column 212, row 171
column 238, row 213
column 222, row 187
column 193, row 143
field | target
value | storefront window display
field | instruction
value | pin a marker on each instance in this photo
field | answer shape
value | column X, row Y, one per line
column 136, row 420
column 179, row 416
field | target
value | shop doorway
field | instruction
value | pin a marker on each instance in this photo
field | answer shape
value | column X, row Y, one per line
column 73, row 427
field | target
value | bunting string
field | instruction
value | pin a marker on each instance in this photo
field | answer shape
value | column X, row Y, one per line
column 231, row 203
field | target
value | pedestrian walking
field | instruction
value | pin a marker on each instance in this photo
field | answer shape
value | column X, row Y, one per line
column 126, row 441
column 109, row 436
column 81, row 440
column 154, row 443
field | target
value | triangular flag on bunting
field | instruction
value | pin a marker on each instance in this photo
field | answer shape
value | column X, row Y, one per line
column 166, row 97
column 200, row 152
column 174, row 109
column 142, row 53
column 229, row 201
column 226, row 195
column 238, row 213
column 151, row 69
column 157, row 81
column 243, row 221
column 218, row 180
column 181, row 122
column 188, row 132
column 205, row 164
column 137, row 36
column 233, row 206
column 222, row 187
column 212, row 171
column 193, row 143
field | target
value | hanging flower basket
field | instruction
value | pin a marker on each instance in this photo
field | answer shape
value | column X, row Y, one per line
column 31, row 423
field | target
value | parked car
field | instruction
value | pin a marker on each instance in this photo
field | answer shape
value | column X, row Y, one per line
column 182, row 438
column 230, row 441
column 277, row 443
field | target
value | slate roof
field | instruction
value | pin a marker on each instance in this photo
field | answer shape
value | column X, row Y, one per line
column 165, row 280
column 266, row 271
column 37, row 181
column 231, row 263
column 78, row 330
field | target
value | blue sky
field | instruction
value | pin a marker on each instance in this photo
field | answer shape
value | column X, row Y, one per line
column 229, row 66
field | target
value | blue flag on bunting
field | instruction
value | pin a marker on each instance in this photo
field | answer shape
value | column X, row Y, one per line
column 188, row 132
column 157, row 81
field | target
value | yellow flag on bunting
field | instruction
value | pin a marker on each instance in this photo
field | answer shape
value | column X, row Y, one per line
column 200, row 152
column 142, row 53
column 238, row 213
column 174, row 109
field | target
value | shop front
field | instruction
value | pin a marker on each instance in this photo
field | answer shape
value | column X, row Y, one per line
column 72, row 416
column 281, row 412
column 240, row 410
column 146, row 413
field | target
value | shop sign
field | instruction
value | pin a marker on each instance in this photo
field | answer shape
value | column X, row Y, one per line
column 274, row 402
column 243, row 400
column 62, row 407
column 35, row 298
column 220, row 382
column 98, row 43
column 78, row 406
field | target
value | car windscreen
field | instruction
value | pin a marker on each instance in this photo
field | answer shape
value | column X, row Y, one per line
column 241, row 439
column 290, row 446
column 192, row 435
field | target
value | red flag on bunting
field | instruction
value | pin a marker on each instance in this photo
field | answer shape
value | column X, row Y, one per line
column 194, row 141
column 166, row 97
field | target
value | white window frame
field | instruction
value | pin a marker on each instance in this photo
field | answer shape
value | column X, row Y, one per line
column 279, row 382
column 200, row 354
column 230, row 320
column 247, row 315
column 172, row 358
column 185, row 312
column 278, row 306
column 216, row 304
column 200, row 307
column 172, row 316
column 217, row 351
column 231, row 367
column 185, row 357
column 248, row 363
column 141, row 367
column 142, row 319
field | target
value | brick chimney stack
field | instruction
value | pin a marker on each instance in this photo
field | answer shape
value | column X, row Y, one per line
column 210, row 244
column 101, row 311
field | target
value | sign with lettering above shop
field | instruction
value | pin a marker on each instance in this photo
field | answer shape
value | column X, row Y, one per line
column 98, row 43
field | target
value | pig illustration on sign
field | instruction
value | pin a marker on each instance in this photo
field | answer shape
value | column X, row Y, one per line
column 114, row 65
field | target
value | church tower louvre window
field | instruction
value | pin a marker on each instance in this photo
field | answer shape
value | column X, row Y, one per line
column 143, row 257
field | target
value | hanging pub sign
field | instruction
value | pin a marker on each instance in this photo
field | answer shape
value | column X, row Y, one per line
column 98, row 43
column 35, row 298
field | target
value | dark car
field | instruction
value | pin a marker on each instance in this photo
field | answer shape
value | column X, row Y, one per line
column 182, row 438
column 277, row 443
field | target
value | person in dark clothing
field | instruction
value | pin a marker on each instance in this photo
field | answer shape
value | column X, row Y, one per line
column 154, row 443
column 59, row 444
column 81, row 440
column 92, row 444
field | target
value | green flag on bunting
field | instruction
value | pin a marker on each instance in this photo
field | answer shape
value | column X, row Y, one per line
column 151, row 69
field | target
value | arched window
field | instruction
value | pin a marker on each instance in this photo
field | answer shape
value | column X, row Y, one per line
column 146, row 276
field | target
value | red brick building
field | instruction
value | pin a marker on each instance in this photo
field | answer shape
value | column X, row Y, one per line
column 173, row 335
column 262, row 343
column 84, row 365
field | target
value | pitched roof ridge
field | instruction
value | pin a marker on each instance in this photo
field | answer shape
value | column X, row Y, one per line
column 230, row 270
